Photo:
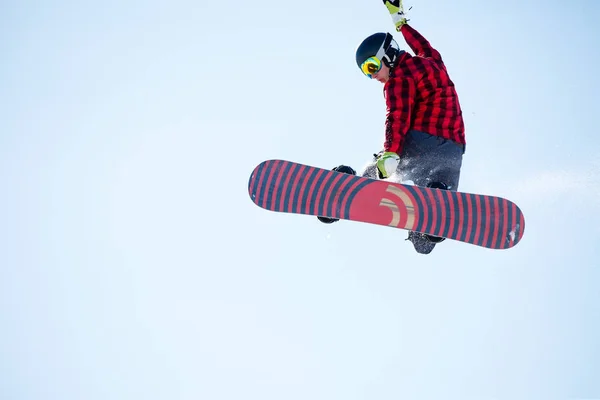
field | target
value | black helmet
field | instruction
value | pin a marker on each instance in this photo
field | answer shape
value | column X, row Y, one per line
column 382, row 45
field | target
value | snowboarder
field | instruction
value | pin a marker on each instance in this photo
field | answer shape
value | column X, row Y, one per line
column 424, row 127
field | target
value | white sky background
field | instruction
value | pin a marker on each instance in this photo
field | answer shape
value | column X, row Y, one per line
column 133, row 265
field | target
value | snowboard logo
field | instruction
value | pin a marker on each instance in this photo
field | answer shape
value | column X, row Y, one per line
column 401, row 205
column 409, row 219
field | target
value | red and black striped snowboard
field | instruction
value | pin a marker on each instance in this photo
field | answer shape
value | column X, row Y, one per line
column 289, row 187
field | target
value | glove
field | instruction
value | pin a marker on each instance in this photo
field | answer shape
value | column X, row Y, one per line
column 396, row 10
column 387, row 163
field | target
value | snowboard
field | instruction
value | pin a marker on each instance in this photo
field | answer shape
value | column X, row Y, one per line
column 288, row 187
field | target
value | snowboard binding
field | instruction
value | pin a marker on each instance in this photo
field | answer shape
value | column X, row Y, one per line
column 423, row 242
column 343, row 169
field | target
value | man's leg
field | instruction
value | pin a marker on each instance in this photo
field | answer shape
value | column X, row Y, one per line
column 430, row 161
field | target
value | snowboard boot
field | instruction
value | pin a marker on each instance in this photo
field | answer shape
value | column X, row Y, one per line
column 346, row 170
column 423, row 242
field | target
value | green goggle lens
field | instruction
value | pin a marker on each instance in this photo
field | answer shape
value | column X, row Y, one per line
column 371, row 66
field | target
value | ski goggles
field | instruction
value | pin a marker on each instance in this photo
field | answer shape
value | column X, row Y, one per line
column 371, row 66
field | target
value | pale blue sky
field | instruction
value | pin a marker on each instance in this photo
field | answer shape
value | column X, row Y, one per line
column 133, row 265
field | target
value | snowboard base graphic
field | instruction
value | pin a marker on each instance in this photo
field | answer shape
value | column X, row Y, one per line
column 289, row 187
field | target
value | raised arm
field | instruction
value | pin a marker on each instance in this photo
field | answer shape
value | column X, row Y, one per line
column 418, row 43
column 414, row 39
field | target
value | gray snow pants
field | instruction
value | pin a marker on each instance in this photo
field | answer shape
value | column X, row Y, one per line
column 426, row 159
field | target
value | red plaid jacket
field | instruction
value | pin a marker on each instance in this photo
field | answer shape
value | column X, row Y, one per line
column 420, row 95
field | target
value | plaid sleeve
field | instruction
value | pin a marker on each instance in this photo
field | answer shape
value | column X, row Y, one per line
column 400, row 96
column 418, row 43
